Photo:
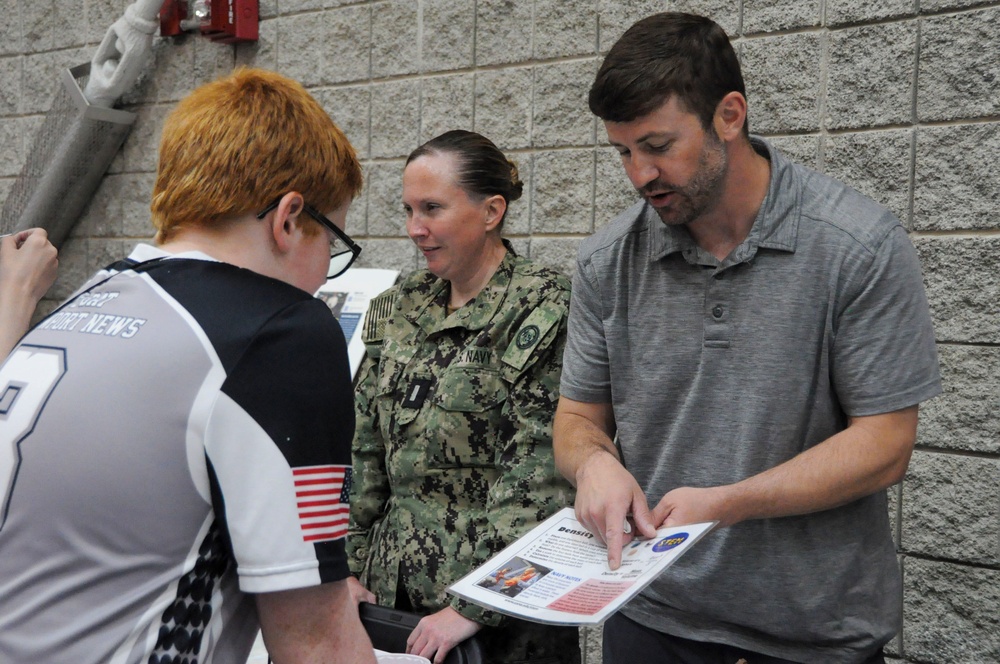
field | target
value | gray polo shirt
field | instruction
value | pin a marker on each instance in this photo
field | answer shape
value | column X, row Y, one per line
column 718, row 371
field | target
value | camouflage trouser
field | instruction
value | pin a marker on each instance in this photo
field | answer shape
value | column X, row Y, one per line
column 520, row 641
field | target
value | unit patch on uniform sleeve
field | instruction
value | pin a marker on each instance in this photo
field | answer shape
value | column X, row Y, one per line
column 532, row 332
column 527, row 337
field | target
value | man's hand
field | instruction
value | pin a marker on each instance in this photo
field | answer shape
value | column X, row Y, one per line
column 435, row 635
column 607, row 495
column 686, row 505
column 358, row 592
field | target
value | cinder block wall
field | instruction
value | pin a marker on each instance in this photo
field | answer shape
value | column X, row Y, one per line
column 900, row 98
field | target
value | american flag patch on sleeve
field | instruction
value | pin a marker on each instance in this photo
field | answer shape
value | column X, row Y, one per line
column 322, row 495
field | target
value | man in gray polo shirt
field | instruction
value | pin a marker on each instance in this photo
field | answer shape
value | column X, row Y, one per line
column 757, row 336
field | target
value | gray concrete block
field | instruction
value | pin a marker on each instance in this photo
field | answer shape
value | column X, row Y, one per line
column 876, row 163
column 613, row 193
column 35, row 27
column 102, row 251
column 726, row 13
column 447, row 36
column 136, row 195
column 563, row 192
column 142, row 146
column 615, row 17
column 395, row 120
column 264, row 51
column 395, row 38
column 893, row 495
column 390, row 255
column 503, row 31
column 325, row 47
column 11, row 146
column 356, row 223
column 42, row 74
column 446, row 102
column 955, row 185
column 267, row 9
column 560, row 31
column 64, row 27
column 963, row 287
column 518, row 219
column 802, row 149
column 11, row 32
column 384, row 182
column 591, row 640
column 73, row 268
column 288, row 6
column 558, row 253
column 783, row 76
column 350, row 109
column 951, row 508
column 561, row 116
column 958, row 66
column 775, row 15
column 950, row 613
column 504, row 107
column 871, row 76
column 966, row 416
column 182, row 64
column 102, row 217
column 842, row 12
column 100, row 15
column 935, row 6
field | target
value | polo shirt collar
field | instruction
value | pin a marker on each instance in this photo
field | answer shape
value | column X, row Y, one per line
column 776, row 226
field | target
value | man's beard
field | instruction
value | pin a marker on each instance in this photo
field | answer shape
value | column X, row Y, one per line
column 701, row 193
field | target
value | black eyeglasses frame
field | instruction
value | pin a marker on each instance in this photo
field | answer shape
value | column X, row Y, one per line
column 353, row 247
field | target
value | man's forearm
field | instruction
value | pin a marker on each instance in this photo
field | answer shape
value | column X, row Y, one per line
column 578, row 432
column 868, row 456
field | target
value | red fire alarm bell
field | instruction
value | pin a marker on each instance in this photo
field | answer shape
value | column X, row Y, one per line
column 226, row 21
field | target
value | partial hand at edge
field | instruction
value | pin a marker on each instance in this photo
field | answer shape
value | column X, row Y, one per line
column 28, row 262
column 435, row 635
column 607, row 494
column 358, row 592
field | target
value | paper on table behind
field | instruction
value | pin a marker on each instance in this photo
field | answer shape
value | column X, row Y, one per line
column 348, row 296
column 558, row 573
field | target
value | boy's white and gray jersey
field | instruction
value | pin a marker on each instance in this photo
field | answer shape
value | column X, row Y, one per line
column 162, row 439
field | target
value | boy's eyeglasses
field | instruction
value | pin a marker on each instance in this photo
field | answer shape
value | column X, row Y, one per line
column 343, row 250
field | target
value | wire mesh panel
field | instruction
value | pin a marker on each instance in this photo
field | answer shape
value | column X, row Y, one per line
column 70, row 154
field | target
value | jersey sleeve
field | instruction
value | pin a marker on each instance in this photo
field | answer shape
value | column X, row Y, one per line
column 278, row 445
column 884, row 356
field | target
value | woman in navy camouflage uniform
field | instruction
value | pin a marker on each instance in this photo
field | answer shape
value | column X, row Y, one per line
column 453, row 446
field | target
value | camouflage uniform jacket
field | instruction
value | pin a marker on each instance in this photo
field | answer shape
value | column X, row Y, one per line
column 453, row 446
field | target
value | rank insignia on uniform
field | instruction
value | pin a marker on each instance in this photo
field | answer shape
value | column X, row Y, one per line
column 417, row 392
column 527, row 336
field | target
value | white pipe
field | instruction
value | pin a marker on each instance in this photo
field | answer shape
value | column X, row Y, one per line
column 123, row 53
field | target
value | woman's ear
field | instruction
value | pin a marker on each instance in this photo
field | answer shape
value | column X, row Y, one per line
column 285, row 222
column 495, row 207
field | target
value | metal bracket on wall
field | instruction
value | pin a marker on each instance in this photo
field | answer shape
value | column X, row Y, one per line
column 70, row 154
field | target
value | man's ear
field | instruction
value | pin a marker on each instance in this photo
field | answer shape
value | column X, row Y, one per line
column 730, row 115
column 495, row 207
column 285, row 220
